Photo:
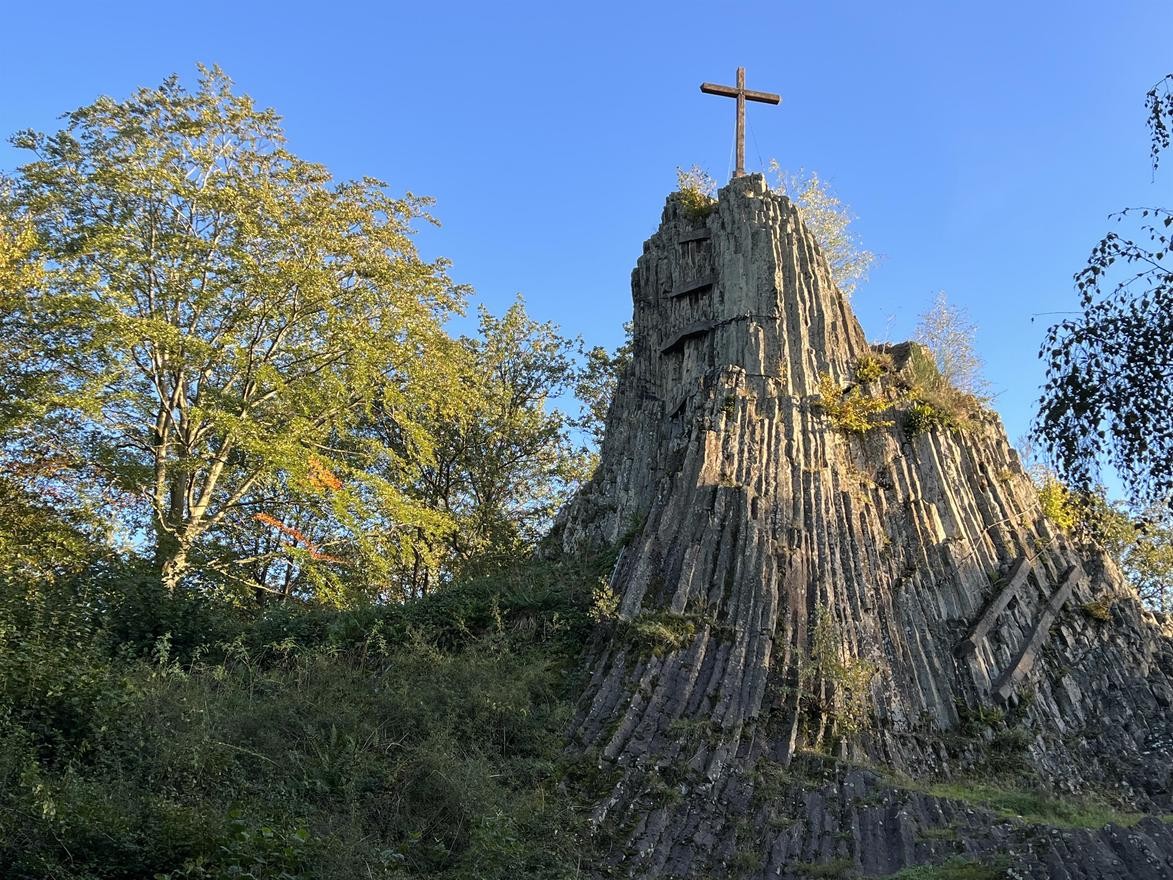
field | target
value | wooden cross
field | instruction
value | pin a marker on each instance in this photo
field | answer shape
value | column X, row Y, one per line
column 742, row 94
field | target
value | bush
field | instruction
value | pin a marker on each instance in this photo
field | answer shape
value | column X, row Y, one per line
column 871, row 367
column 391, row 741
column 921, row 417
column 1058, row 504
column 696, row 192
column 850, row 411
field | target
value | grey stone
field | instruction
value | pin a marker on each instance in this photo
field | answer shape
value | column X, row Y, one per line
column 742, row 510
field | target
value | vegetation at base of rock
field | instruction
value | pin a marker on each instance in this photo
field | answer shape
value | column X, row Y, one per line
column 835, row 868
column 1033, row 806
column 956, row 869
column 834, row 686
column 851, row 410
column 144, row 733
column 697, row 192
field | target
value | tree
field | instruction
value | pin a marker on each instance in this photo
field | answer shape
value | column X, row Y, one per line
column 1108, row 396
column 502, row 460
column 829, row 221
column 947, row 331
column 220, row 316
column 597, row 383
column 1140, row 540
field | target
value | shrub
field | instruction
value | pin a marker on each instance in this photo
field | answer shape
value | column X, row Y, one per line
column 850, row 411
column 921, row 417
column 871, row 367
column 662, row 631
column 1058, row 503
column 934, row 401
column 696, row 191
column 388, row 741
column 834, row 684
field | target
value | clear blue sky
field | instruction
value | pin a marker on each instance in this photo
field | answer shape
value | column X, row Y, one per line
column 980, row 144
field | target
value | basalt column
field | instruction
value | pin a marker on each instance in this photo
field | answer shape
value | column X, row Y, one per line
column 787, row 587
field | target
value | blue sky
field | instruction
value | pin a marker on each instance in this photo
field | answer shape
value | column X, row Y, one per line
column 981, row 145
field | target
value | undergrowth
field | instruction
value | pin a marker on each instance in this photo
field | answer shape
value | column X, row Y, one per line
column 1036, row 807
column 144, row 736
column 955, row 869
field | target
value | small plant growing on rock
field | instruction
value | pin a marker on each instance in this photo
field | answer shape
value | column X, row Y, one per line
column 696, row 191
column 871, row 367
column 663, row 632
column 604, row 603
column 1059, row 505
column 850, row 411
column 1099, row 609
column 922, row 416
column 836, row 686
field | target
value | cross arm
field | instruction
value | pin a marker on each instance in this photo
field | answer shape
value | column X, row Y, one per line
column 730, row 92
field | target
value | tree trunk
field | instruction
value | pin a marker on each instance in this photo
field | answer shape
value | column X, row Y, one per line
column 174, row 567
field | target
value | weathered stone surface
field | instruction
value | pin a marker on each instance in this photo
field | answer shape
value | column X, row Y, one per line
column 743, row 513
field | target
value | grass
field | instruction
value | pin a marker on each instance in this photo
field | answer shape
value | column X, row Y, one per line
column 1035, row 807
column 661, row 632
column 836, row 868
column 954, row 869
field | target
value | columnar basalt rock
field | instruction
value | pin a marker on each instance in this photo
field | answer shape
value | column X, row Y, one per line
column 953, row 611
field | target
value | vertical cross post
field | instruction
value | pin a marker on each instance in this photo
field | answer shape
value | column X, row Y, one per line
column 742, row 94
column 739, row 171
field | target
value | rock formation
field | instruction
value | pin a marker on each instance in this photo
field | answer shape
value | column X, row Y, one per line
column 833, row 594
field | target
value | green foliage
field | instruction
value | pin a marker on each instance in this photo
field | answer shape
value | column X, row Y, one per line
column 956, row 868
column 835, row 868
column 1038, row 807
column 850, row 411
column 251, row 852
column 422, row 739
column 231, row 315
column 1099, row 609
column 1058, row 504
column 1139, row 540
column 933, row 401
column 834, row 685
column 921, row 417
column 1108, row 397
column 604, row 603
column 662, row 631
column 42, row 542
column 697, row 192
column 871, row 367
column 501, row 461
column 829, row 221
column 597, row 384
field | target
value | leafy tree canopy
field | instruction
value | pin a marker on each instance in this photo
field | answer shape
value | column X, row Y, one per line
column 215, row 318
column 1109, row 390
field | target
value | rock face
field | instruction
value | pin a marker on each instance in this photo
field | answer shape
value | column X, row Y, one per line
column 893, row 597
